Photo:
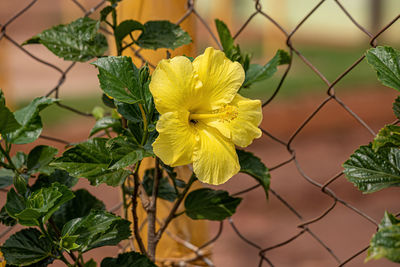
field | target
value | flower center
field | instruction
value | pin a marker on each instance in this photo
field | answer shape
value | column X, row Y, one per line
column 225, row 114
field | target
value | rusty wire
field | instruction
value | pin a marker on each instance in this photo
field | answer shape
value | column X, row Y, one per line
column 331, row 97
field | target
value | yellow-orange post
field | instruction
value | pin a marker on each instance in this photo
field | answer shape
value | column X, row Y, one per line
column 182, row 234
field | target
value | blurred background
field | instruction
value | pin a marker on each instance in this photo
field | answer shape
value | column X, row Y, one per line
column 328, row 39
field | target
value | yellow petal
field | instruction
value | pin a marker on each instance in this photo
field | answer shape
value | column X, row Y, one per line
column 243, row 127
column 176, row 140
column 221, row 77
column 214, row 156
column 174, row 85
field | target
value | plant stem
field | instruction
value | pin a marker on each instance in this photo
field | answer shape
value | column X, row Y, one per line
column 151, row 213
column 178, row 202
column 134, row 198
column 145, row 125
column 10, row 163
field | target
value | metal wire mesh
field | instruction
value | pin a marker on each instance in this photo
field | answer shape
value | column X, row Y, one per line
column 331, row 96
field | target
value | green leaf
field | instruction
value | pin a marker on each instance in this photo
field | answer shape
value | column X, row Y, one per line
column 8, row 123
column 30, row 121
column 386, row 62
column 57, row 175
column 5, row 218
column 209, row 204
column 90, row 160
column 371, row 171
column 396, row 107
column 99, row 228
column 128, row 259
column 162, row 34
column 119, row 78
column 386, row 242
column 387, row 136
column 105, row 12
column 106, row 123
column 77, row 41
column 165, row 189
column 124, row 153
column 126, row 27
column 224, row 36
column 26, row 247
column 39, row 206
column 254, row 167
column 39, row 159
column 80, row 206
column 6, row 177
column 90, row 263
column 257, row 73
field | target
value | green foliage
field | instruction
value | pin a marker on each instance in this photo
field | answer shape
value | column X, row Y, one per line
column 39, row 159
column 119, row 78
column 125, row 153
column 80, row 206
column 26, row 247
column 5, row 218
column 386, row 62
column 30, row 121
column 396, row 107
column 37, row 208
column 231, row 50
column 386, row 242
column 57, row 175
column 6, row 177
column 387, row 136
column 90, row 160
column 209, row 204
column 105, row 124
column 77, row 41
column 254, row 167
column 8, row 123
column 127, row 27
column 371, row 171
column 98, row 228
column 162, row 34
column 127, row 260
column 165, row 189
column 258, row 73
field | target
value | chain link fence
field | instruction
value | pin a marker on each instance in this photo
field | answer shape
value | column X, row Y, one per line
column 303, row 224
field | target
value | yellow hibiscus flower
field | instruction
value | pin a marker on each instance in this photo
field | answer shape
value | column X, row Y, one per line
column 202, row 115
column 2, row 260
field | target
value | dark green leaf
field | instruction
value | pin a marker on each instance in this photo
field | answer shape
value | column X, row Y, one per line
column 104, row 12
column 209, row 204
column 128, row 259
column 396, row 107
column 387, row 136
column 386, row 242
column 90, row 263
column 99, row 228
column 126, row 27
column 130, row 112
column 90, row 160
column 26, row 247
column 224, row 36
column 254, row 167
column 125, row 153
column 8, row 123
column 80, row 206
column 6, row 177
column 5, row 218
column 386, row 61
column 106, row 123
column 162, row 34
column 165, row 189
column 119, row 78
column 30, row 121
column 257, row 73
column 77, row 41
column 107, row 101
column 58, row 175
column 39, row 159
column 371, row 171
column 39, row 206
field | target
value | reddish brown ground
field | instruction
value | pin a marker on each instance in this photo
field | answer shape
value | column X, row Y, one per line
column 321, row 148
